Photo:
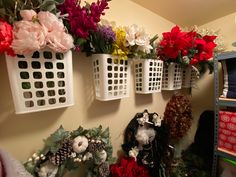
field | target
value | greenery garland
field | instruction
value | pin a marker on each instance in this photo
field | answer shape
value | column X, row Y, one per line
column 65, row 151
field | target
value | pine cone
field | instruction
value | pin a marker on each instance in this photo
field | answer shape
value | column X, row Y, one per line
column 63, row 153
column 103, row 170
column 93, row 147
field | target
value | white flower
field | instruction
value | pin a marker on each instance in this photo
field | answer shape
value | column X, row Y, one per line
column 145, row 48
column 80, row 144
column 134, row 152
column 145, row 136
column 48, row 170
column 103, row 156
column 87, row 156
column 157, row 120
column 131, row 34
column 138, row 36
column 73, row 155
column 144, row 119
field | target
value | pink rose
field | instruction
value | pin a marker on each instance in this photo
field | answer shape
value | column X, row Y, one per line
column 28, row 37
column 59, row 41
column 27, row 14
column 50, row 21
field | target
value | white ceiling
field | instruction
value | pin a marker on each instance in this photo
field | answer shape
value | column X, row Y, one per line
column 189, row 12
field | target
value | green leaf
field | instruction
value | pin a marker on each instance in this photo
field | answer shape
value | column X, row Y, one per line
column 59, row 1
column 30, row 167
column 54, row 140
column 71, row 165
column 95, row 131
column 105, row 134
column 77, row 132
column 48, row 6
column 61, row 170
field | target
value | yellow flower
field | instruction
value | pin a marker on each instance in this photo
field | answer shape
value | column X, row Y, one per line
column 120, row 48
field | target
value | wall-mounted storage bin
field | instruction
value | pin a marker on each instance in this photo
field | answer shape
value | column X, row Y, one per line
column 111, row 77
column 41, row 81
column 172, row 77
column 189, row 76
column 148, row 75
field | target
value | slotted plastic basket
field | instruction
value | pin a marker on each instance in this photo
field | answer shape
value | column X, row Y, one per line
column 189, row 77
column 148, row 75
column 172, row 77
column 111, row 77
column 41, row 81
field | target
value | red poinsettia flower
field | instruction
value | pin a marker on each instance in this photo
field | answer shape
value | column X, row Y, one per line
column 6, row 37
column 175, row 43
column 188, row 42
column 128, row 167
column 205, row 47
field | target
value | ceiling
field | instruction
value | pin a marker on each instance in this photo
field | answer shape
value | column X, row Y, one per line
column 189, row 12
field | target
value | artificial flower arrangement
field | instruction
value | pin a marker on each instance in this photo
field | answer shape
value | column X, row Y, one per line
column 187, row 48
column 145, row 143
column 32, row 31
column 128, row 167
column 101, row 41
column 36, row 31
column 82, row 20
column 65, row 151
column 122, row 42
column 219, row 41
column 133, row 42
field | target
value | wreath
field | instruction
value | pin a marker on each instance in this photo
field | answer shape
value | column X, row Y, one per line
column 178, row 115
column 147, row 141
column 65, row 151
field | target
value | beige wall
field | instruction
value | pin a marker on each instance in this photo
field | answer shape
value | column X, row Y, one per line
column 21, row 135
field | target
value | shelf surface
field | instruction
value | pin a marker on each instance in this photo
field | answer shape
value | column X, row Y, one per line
column 227, row 102
column 226, row 55
column 226, row 154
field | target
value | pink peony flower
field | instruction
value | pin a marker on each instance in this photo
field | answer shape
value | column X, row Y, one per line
column 28, row 37
column 36, row 31
column 50, row 21
column 6, row 37
column 27, row 14
column 59, row 41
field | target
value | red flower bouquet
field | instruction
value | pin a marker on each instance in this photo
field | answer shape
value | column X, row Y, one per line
column 187, row 48
column 128, row 167
column 6, row 37
column 82, row 19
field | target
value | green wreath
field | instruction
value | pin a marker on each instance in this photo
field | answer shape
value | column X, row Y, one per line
column 65, row 151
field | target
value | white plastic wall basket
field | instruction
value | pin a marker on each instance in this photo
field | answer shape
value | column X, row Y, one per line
column 41, row 81
column 148, row 75
column 188, row 77
column 172, row 77
column 111, row 77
